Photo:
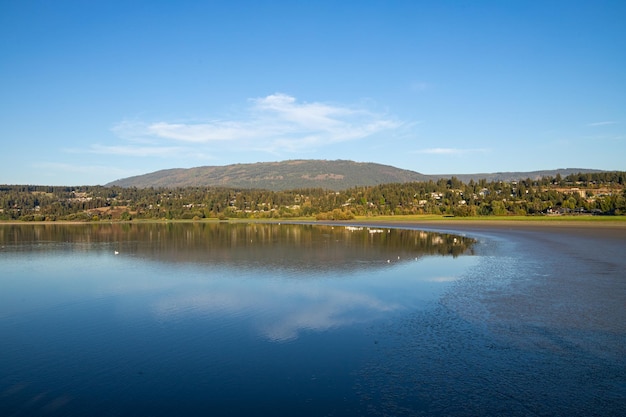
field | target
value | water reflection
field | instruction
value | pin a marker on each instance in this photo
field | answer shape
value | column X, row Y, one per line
column 269, row 246
column 236, row 314
column 279, row 312
column 279, row 280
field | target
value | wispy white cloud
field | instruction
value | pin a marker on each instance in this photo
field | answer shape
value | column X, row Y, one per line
column 602, row 123
column 450, row 151
column 274, row 123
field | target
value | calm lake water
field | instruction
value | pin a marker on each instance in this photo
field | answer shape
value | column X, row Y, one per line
column 206, row 319
column 271, row 319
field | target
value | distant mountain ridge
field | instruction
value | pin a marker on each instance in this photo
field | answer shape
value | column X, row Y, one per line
column 333, row 175
column 294, row 174
column 517, row 176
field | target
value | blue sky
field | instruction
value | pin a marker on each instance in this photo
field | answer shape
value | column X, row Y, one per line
column 93, row 91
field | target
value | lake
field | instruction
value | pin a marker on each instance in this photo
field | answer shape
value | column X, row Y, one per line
column 192, row 319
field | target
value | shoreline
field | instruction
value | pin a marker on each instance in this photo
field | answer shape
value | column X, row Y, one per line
column 619, row 221
column 607, row 230
column 597, row 229
column 611, row 231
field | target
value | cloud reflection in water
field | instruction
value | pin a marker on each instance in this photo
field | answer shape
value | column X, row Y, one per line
column 281, row 280
column 279, row 311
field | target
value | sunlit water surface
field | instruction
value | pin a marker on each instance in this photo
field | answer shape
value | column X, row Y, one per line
column 281, row 320
column 193, row 319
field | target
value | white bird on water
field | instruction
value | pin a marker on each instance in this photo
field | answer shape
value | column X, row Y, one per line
column 116, row 252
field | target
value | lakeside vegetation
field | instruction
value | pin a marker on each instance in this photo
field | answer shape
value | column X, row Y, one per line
column 600, row 194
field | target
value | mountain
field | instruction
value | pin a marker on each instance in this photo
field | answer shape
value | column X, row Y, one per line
column 517, row 176
column 332, row 175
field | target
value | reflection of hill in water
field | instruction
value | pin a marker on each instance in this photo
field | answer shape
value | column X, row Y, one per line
column 286, row 246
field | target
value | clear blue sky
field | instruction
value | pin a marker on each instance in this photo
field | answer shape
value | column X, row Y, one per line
column 93, row 91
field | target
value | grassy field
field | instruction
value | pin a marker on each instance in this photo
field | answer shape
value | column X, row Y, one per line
column 598, row 222
column 431, row 218
column 538, row 219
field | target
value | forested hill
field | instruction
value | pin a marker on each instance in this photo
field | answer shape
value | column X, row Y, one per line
column 277, row 176
column 578, row 194
column 518, row 176
column 300, row 174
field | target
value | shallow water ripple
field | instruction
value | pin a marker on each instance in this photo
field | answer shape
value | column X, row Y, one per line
column 491, row 347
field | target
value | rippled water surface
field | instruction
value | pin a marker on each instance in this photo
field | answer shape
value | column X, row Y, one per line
column 207, row 319
column 269, row 319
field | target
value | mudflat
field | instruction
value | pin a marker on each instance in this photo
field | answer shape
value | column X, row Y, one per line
column 565, row 273
column 538, row 327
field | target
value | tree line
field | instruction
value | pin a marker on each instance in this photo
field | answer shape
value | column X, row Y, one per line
column 590, row 193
